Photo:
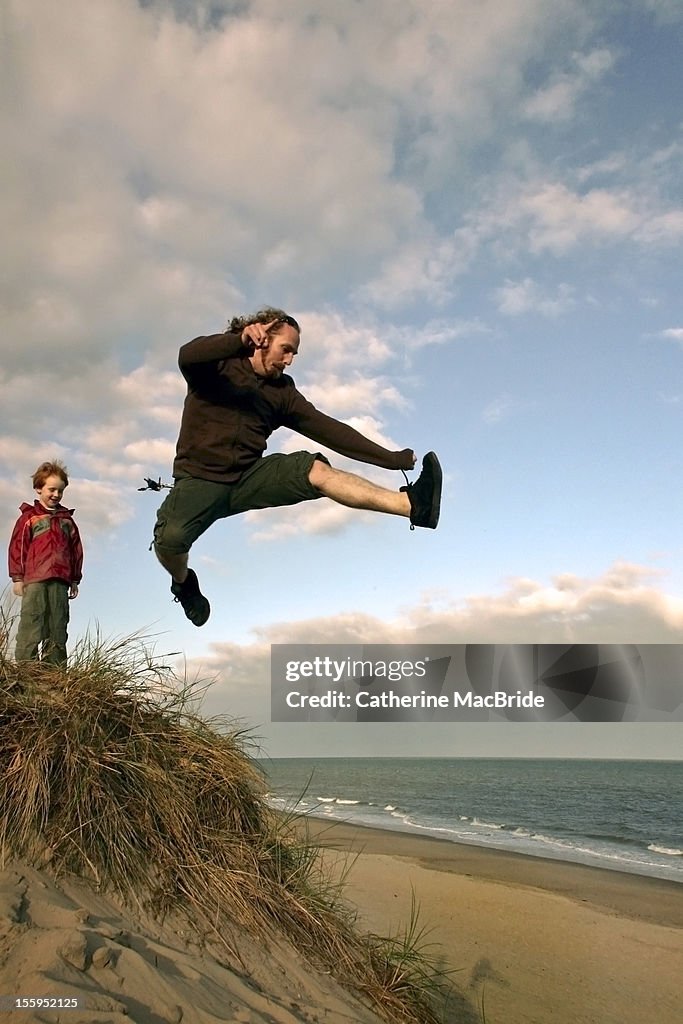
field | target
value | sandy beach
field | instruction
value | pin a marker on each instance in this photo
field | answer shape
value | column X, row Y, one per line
column 542, row 941
column 538, row 941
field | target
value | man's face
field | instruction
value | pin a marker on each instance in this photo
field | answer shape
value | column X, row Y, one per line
column 50, row 494
column 283, row 345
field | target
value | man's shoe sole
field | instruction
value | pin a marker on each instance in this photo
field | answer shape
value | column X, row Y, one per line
column 433, row 520
column 199, row 615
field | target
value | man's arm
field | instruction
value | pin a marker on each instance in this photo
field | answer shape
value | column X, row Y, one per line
column 303, row 417
column 211, row 348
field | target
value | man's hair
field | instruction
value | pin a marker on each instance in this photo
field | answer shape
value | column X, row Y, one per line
column 46, row 469
column 264, row 316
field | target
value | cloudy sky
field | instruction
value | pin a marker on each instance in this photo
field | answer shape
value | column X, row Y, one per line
column 475, row 210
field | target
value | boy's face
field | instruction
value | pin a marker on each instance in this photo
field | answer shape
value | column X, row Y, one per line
column 50, row 494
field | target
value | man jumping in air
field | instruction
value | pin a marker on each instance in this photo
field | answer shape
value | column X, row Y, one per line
column 237, row 395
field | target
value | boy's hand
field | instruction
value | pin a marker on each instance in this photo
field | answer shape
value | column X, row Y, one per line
column 73, row 591
column 18, row 588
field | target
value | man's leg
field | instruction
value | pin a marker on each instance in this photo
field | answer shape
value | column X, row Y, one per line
column 188, row 511
column 357, row 492
column 279, row 480
column 176, row 565
column 420, row 501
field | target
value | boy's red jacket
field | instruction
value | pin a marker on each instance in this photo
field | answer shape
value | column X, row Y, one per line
column 45, row 545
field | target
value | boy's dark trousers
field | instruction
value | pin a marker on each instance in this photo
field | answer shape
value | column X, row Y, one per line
column 44, row 617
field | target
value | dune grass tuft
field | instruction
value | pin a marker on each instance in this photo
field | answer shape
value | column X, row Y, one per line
column 108, row 772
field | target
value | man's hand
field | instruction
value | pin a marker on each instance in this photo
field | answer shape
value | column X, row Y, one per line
column 18, row 588
column 406, row 459
column 73, row 591
column 257, row 334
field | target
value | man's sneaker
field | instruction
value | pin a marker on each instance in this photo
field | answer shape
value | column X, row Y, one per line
column 195, row 605
column 425, row 494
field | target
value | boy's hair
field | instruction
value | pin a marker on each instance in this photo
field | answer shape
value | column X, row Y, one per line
column 46, row 469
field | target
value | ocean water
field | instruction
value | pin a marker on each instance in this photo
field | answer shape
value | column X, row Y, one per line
column 623, row 815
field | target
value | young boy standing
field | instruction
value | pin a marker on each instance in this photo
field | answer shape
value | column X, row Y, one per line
column 45, row 562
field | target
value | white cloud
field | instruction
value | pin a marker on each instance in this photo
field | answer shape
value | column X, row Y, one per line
column 143, row 164
column 102, row 506
column 666, row 11
column 366, row 425
column 557, row 100
column 314, row 518
column 441, row 332
column 152, row 449
column 142, row 196
column 103, row 424
column 620, row 606
column 673, row 333
column 559, row 218
column 662, row 228
column 422, row 268
column 499, row 409
column 539, row 216
column 339, row 397
column 20, row 458
column 336, row 342
column 517, row 297
column 152, row 393
column 142, row 199
column 607, row 167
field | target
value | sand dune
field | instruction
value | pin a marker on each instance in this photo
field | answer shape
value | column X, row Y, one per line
column 64, row 940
